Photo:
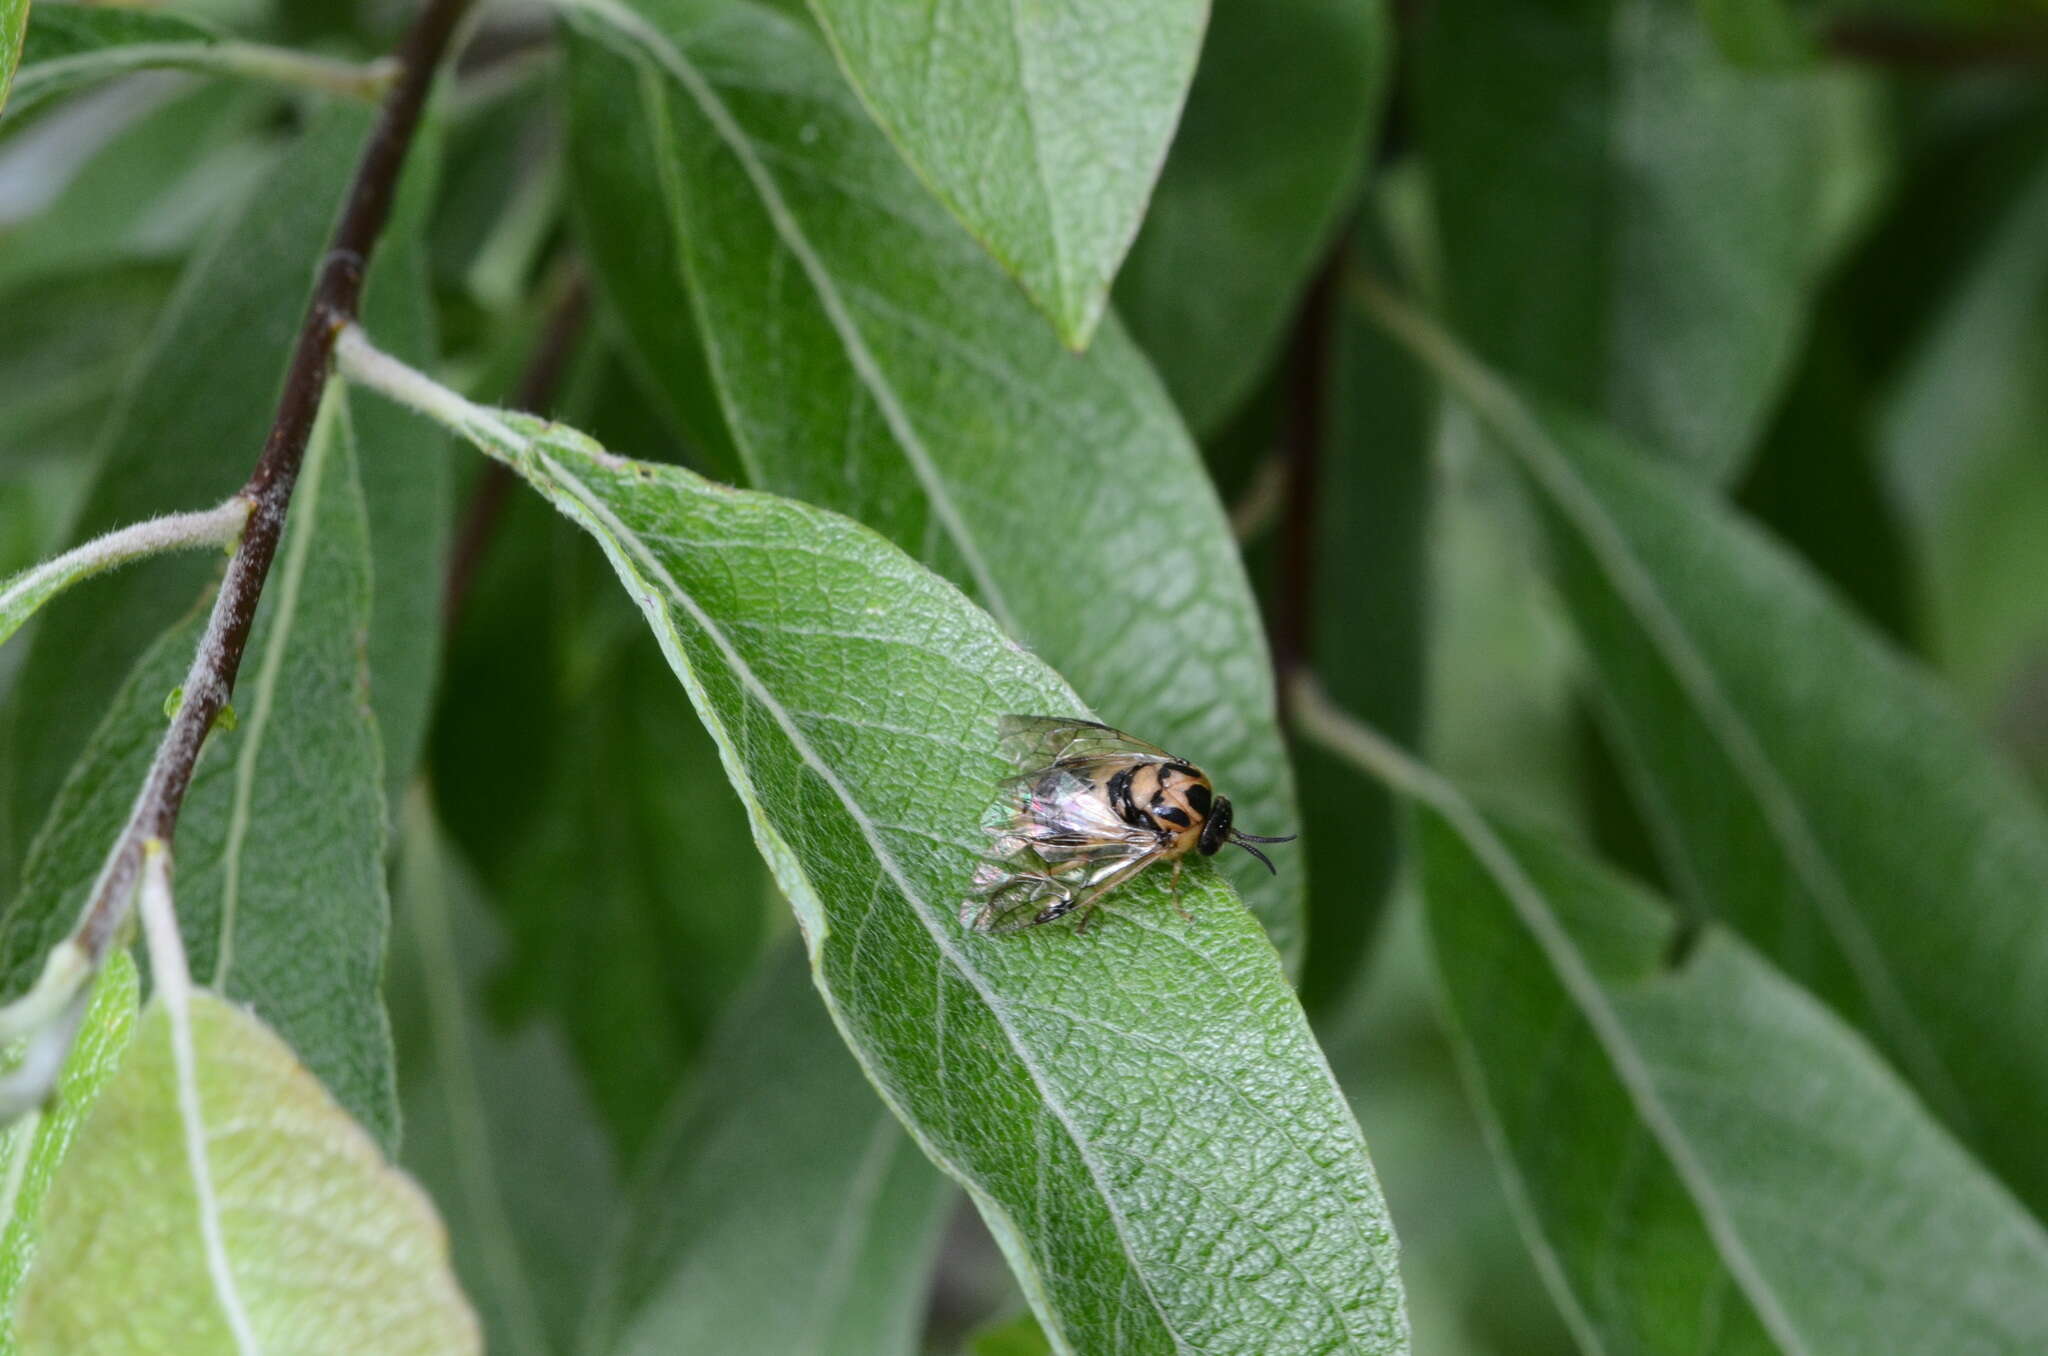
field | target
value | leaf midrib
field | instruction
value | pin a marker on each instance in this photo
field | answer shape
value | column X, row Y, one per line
column 858, row 355
column 1632, row 581
column 1633, row 1072
column 884, row 858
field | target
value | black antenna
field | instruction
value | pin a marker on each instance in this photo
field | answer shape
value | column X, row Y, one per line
column 1256, row 853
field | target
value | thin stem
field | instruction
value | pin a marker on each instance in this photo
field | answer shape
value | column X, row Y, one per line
column 337, row 294
column 1319, row 719
column 174, row 989
column 1265, row 495
column 216, row 527
column 249, row 60
column 283, row 66
column 361, row 362
column 534, row 394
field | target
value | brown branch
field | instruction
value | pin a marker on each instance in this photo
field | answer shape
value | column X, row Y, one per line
column 1302, row 436
column 336, row 296
column 534, row 394
column 1905, row 45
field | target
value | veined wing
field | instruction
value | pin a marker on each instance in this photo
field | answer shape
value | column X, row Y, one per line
column 1038, row 741
column 1061, row 810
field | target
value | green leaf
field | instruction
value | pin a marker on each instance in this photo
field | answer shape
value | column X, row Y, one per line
column 189, row 426
column 1369, row 641
column 1962, row 442
column 1471, row 1283
column 1761, row 33
column 281, row 838
column 153, row 186
column 1707, row 1159
column 1019, row 1336
column 1807, row 786
column 614, row 154
column 1816, row 483
column 71, row 44
column 1683, row 210
column 870, row 359
column 496, row 1127
column 64, row 351
column 408, row 484
column 1140, row 1113
column 34, row 1147
column 781, row 1208
column 13, row 27
column 1042, row 127
column 329, row 1247
column 1275, row 136
column 555, row 686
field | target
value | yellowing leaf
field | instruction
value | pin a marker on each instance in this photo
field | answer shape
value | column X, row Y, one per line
column 330, row 1248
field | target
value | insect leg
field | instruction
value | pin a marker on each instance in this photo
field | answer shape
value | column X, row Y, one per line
column 1086, row 903
column 1173, row 892
column 1035, row 885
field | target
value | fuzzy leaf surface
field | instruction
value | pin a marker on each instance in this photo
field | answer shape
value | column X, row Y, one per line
column 1140, row 1113
column 332, row 1250
column 281, row 839
column 869, row 358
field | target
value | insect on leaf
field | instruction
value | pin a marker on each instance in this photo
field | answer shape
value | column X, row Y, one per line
column 1141, row 1114
column 868, row 357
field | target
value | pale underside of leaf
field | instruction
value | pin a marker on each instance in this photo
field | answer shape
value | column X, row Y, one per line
column 331, row 1249
column 35, row 1146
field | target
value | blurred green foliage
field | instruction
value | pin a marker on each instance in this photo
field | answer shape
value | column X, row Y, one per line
column 1697, row 530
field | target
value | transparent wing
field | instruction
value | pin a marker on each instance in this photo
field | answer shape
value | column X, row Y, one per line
column 1029, row 887
column 1039, row 741
column 1060, row 810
